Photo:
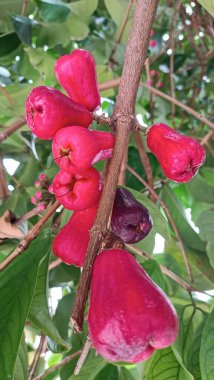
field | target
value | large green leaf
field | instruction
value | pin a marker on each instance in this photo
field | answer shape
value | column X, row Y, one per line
column 39, row 312
column 110, row 372
column 52, row 10
column 208, row 5
column 188, row 235
column 8, row 43
column 116, row 9
column 18, row 94
column 200, row 189
column 154, row 271
column 164, row 366
column 23, row 27
column 210, row 252
column 83, row 8
column 17, row 285
column 43, row 63
column 193, row 364
column 21, row 367
column 205, row 224
column 207, row 349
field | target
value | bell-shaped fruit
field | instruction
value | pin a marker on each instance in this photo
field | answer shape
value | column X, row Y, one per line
column 179, row 156
column 129, row 316
column 76, row 72
column 78, row 191
column 48, row 110
column 130, row 220
column 78, row 147
column 71, row 242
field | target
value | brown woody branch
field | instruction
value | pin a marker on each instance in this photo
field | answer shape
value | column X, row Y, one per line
column 115, row 83
column 186, row 262
column 144, row 160
column 52, row 369
column 30, row 236
column 122, row 121
column 12, row 128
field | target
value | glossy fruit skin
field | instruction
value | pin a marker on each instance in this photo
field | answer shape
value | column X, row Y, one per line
column 78, row 190
column 129, row 316
column 76, row 72
column 71, row 242
column 130, row 220
column 48, row 110
column 179, row 156
column 78, row 147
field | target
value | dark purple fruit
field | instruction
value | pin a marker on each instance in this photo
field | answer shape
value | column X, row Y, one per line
column 130, row 220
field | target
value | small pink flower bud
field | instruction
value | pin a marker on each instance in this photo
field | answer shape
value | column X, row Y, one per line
column 38, row 195
column 42, row 176
column 152, row 32
column 153, row 43
column 37, row 184
column 153, row 73
column 159, row 84
column 41, row 206
column 149, row 82
column 33, row 200
column 50, row 189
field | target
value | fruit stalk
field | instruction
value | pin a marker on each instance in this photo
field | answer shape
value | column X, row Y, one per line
column 122, row 121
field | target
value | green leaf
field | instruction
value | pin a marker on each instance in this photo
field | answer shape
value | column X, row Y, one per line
column 189, row 320
column 127, row 374
column 39, row 312
column 21, row 367
column 188, row 235
column 208, row 5
column 193, row 364
column 91, row 368
column 52, row 10
column 9, row 7
column 18, row 94
column 17, row 285
column 207, row 349
column 104, row 73
column 154, row 271
column 164, row 366
column 160, row 223
column 23, row 27
column 83, row 8
column 200, row 189
column 63, row 274
column 63, row 313
column 210, row 252
column 8, row 43
column 77, row 27
column 43, row 63
column 109, row 372
column 116, row 9
column 205, row 224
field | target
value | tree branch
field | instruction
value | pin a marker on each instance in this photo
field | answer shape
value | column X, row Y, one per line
column 115, row 83
column 30, row 236
column 122, row 120
column 12, row 128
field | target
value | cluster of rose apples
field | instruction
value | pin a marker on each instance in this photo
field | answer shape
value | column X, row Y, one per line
column 129, row 316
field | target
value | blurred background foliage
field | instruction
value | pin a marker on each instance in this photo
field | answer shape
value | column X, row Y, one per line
column 35, row 300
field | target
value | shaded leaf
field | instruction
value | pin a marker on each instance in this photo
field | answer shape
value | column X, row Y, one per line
column 21, row 367
column 207, row 349
column 52, row 10
column 17, row 284
column 205, row 223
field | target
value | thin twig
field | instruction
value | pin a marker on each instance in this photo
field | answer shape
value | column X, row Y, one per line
column 83, row 356
column 186, row 262
column 55, row 264
column 64, row 361
column 165, row 270
column 37, row 356
column 207, row 137
column 24, row 5
column 122, row 123
column 7, row 95
column 30, row 236
column 144, row 160
column 4, row 191
column 12, row 128
column 101, row 119
column 30, row 214
column 115, row 83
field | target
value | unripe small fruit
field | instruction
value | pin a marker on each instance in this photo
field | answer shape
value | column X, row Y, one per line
column 129, row 316
column 78, row 147
column 179, row 156
column 48, row 110
column 71, row 242
column 76, row 72
column 130, row 220
column 78, row 191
